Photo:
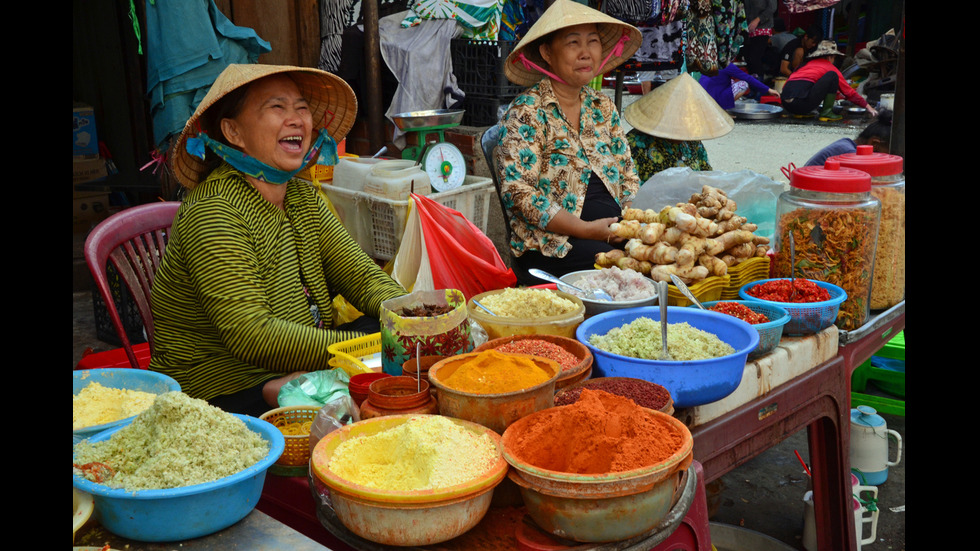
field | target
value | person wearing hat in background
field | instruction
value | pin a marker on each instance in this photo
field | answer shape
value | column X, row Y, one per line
column 816, row 84
column 242, row 299
column 669, row 124
column 564, row 165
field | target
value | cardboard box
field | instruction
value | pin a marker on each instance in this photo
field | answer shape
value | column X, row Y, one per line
column 86, row 170
column 84, row 139
column 89, row 206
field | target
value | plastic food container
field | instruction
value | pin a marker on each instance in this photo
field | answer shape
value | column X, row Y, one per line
column 567, row 377
column 806, row 318
column 770, row 332
column 183, row 513
column 593, row 307
column 563, row 325
column 403, row 336
column 834, row 221
column 888, row 186
column 494, row 411
column 143, row 380
column 400, row 395
column 691, row 383
column 599, row 507
column 393, row 517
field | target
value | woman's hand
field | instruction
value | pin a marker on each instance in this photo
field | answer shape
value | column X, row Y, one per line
column 566, row 223
column 872, row 111
column 773, row 92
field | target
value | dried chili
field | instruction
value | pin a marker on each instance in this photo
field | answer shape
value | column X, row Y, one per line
column 781, row 290
column 741, row 312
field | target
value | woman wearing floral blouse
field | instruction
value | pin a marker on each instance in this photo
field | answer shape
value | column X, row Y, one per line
column 565, row 167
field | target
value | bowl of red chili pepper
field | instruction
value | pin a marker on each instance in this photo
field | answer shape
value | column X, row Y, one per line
column 813, row 308
column 768, row 319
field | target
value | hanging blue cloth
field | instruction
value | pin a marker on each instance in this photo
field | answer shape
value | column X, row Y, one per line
column 188, row 44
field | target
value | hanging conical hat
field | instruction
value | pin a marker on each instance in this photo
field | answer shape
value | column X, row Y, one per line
column 331, row 100
column 679, row 110
column 563, row 14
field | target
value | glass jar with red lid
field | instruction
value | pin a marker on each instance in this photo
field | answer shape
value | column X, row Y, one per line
column 888, row 186
column 834, row 220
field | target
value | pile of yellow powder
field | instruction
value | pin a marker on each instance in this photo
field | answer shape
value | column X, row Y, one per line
column 424, row 453
column 96, row 405
column 492, row 372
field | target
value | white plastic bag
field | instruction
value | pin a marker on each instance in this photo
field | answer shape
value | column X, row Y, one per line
column 754, row 193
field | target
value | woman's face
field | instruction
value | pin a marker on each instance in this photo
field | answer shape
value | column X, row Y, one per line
column 274, row 124
column 574, row 54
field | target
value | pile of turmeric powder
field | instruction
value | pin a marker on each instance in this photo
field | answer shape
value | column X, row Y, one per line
column 492, row 372
column 693, row 240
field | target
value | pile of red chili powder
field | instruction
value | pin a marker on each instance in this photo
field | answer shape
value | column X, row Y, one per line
column 600, row 433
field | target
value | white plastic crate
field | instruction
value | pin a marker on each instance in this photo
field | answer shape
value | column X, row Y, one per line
column 377, row 223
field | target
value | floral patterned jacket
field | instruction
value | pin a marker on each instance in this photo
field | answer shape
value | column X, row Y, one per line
column 545, row 166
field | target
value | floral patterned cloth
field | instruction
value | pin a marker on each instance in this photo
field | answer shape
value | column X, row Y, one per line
column 480, row 19
column 652, row 154
column 545, row 165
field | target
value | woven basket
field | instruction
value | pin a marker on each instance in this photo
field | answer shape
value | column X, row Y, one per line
column 296, row 457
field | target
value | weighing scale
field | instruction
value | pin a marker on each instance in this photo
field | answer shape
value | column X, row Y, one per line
column 441, row 160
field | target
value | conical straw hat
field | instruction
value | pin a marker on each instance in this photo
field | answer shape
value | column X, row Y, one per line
column 331, row 100
column 679, row 110
column 567, row 13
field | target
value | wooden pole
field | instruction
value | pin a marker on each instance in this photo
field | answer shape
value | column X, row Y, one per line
column 372, row 78
column 897, row 143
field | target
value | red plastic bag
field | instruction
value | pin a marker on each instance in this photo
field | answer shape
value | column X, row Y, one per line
column 441, row 249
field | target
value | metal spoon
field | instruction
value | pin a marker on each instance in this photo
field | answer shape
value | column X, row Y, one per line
column 599, row 294
column 418, row 367
column 792, row 267
column 662, row 299
column 686, row 292
column 485, row 309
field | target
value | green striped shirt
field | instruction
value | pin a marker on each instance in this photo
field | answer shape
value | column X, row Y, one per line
column 229, row 307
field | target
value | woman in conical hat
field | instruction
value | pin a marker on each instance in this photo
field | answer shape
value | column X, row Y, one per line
column 815, row 85
column 242, row 300
column 564, row 165
column 669, row 124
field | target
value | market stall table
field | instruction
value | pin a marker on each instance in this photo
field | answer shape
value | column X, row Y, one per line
column 805, row 382
column 256, row 531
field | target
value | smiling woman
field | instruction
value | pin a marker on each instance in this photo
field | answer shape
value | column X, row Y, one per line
column 242, row 301
column 565, row 167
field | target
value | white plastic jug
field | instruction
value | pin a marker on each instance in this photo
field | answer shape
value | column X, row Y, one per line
column 869, row 445
column 395, row 179
column 862, row 516
column 351, row 172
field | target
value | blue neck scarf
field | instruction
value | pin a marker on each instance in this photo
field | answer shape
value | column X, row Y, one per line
column 324, row 149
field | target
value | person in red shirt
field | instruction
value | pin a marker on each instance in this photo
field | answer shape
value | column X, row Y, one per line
column 816, row 84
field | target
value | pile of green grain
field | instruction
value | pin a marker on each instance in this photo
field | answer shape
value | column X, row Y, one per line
column 641, row 339
column 178, row 442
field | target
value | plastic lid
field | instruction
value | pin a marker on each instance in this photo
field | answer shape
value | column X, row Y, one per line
column 866, row 416
column 830, row 178
column 875, row 164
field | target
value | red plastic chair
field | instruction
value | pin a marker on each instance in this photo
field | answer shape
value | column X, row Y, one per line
column 134, row 241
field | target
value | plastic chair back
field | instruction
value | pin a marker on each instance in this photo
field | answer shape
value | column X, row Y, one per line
column 488, row 143
column 134, row 241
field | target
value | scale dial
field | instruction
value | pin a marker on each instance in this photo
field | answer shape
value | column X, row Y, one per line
column 444, row 164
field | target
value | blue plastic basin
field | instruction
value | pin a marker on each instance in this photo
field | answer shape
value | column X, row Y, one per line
column 691, row 383
column 143, row 380
column 188, row 512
